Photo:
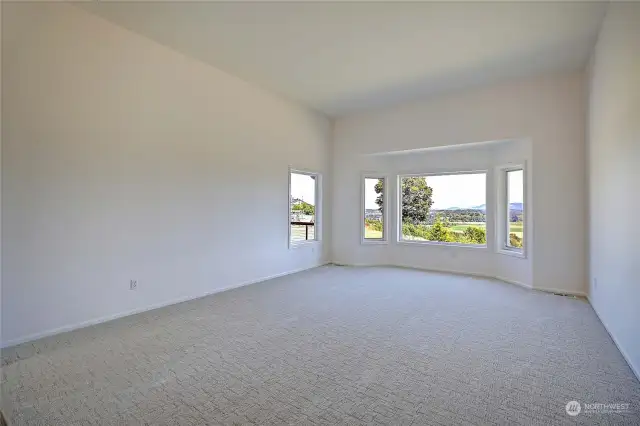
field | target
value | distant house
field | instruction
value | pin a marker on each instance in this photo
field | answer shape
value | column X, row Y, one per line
column 374, row 214
column 299, row 217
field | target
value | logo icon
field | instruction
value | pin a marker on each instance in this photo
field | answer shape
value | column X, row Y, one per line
column 573, row 408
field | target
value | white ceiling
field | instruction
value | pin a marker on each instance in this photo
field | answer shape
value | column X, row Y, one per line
column 345, row 57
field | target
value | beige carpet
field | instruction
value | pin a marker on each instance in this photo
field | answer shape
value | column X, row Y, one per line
column 332, row 345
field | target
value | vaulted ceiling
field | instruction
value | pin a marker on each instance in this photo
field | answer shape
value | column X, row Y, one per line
column 345, row 57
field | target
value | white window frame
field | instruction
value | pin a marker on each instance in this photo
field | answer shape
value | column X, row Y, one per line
column 385, row 209
column 317, row 232
column 502, row 211
column 399, row 238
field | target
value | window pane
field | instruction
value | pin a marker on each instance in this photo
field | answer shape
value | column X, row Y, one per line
column 515, row 209
column 445, row 208
column 303, row 207
column 373, row 210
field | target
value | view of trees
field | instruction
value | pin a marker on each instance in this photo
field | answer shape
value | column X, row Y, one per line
column 444, row 231
column 514, row 240
column 303, row 207
column 463, row 215
column 416, row 199
column 373, row 224
column 420, row 222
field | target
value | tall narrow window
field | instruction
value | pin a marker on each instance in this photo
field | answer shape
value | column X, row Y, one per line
column 443, row 209
column 374, row 207
column 303, row 206
column 515, row 209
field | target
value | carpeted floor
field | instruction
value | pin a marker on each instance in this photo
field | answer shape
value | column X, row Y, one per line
column 333, row 345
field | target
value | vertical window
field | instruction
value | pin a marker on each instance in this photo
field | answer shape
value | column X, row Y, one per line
column 374, row 208
column 443, row 209
column 303, row 206
column 514, row 209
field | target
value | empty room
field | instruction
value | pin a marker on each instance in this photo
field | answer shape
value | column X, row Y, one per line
column 320, row 213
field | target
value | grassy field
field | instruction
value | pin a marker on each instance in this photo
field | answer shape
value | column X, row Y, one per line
column 372, row 233
column 514, row 227
column 460, row 227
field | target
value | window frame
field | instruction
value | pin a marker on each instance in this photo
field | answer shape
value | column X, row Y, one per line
column 385, row 209
column 398, row 210
column 317, row 232
column 502, row 209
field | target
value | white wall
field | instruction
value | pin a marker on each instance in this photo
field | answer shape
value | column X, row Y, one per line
column 123, row 159
column 1, row 192
column 614, row 178
column 548, row 112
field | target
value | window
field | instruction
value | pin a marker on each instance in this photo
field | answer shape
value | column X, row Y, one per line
column 303, row 206
column 510, row 212
column 374, row 206
column 514, row 209
column 443, row 209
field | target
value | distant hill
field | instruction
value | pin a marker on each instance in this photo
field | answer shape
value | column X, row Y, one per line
column 516, row 206
column 483, row 207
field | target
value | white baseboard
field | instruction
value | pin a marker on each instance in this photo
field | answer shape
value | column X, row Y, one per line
column 440, row 271
column 107, row 318
column 627, row 358
column 556, row 290
column 514, row 282
column 471, row 274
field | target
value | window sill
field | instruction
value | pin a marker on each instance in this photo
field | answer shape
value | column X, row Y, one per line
column 514, row 253
column 439, row 244
column 372, row 241
column 301, row 244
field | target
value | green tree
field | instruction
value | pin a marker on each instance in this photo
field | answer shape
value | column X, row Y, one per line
column 515, row 241
column 373, row 224
column 475, row 235
column 304, row 208
column 379, row 188
column 416, row 199
column 439, row 232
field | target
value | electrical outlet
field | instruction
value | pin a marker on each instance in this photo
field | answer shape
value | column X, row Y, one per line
column 133, row 284
column 595, row 283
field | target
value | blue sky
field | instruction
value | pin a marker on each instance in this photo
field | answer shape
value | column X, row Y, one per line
column 515, row 187
column 303, row 187
column 466, row 190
